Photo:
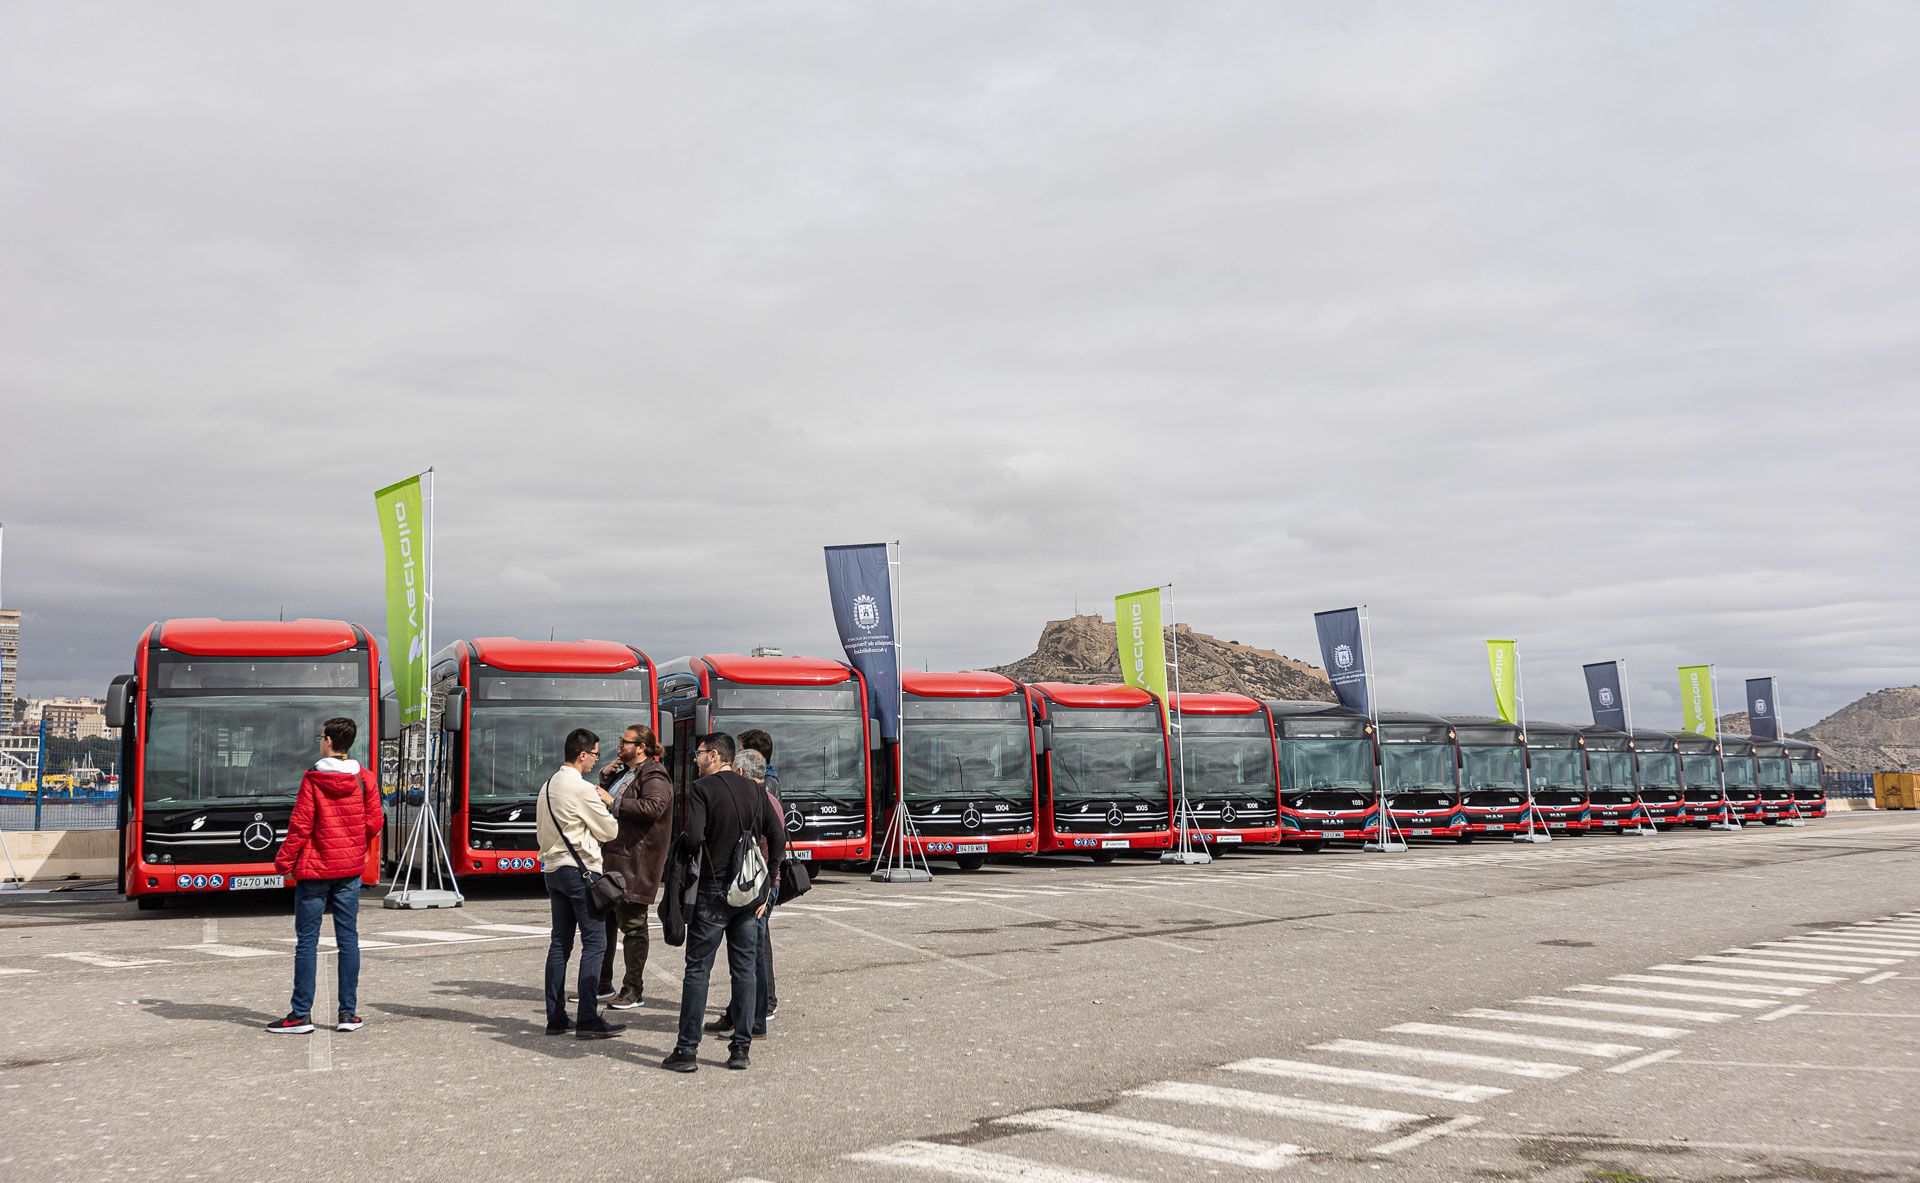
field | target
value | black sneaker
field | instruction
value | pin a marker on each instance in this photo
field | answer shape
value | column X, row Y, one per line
column 737, row 1060
column 559, row 1029
column 349, row 1022
column 681, row 1062
column 603, row 1030
column 292, row 1025
column 773, row 1008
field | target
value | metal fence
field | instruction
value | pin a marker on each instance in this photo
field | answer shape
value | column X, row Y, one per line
column 1857, row 786
column 58, row 815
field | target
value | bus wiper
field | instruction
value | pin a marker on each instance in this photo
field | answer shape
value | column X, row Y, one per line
column 961, row 767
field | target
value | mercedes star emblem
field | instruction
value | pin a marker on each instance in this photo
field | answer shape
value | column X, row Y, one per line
column 971, row 818
column 795, row 819
column 1113, row 817
column 257, row 836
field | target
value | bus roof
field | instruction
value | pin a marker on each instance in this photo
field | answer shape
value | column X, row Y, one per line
column 1769, row 747
column 1485, row 723
column 777, row 671
column 1736, row 745
column 204, row 636
column 1801, row 749
column 554, row 657
column 1104, row 694
column 1389, row 717
column 1542, row 727
column 965, row 684
column 1652, row 739
column 1214, row 704
column 1300, row 708
column 1606, row 739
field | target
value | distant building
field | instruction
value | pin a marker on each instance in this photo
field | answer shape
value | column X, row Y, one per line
column 766, row 651
column 69, row 718
column 9, row 664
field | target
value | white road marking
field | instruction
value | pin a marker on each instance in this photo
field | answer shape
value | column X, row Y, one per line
column 1628, row 1008
column 964, row 1162
column 1166, row 1139
column 1783, row 1012
column 1802, row 1066
column 1386, row 1082
column 1759, row 975
column 1673, row 996
column 982, row 970
column 1535, row 1069
column 1876, row 979
column 1814, row 957
column 328, row 943
column 1544, row 1043
column 532, row 930
column 433, row 934
column 1518, row 1016
column 219, row 950
column 1423, row 1136
column 1838, row 969
column 8, row 970
column 895, row 903
column 1861, row 1014
column 1835, row 946
column 104, row 962
column 1352, row 1117
column 816, row 908
column 1715, row 983
column 1642, row 1061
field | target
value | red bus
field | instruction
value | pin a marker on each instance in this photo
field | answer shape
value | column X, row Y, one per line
column 1775, row 780
column 218, row 722
column 1742, row 773
column 816, row 712
column 1613, row 790
column 1703, row 792
column 1557, row 754
column 1233, row 792
column 969, row 767
column 1420, row 768
column 1808, row 774
column 506, row 706
column 1493, row 775
column 1656, row 767
column 1105, row 784
column 1328, row 770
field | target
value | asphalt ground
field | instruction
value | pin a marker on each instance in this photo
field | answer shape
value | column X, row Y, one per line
column 1688, row 1006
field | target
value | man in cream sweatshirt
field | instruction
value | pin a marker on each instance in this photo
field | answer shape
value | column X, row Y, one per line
column 573, row 820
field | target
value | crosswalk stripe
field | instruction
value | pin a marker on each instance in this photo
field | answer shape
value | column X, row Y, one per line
column 1518, row 1016
column 1421, row 1137
column 1166, row 1139
column 894, row 903
column 1630, row 1008
column 8, row 970
column 1675, row 996
column 328, row 942
column 965, row 1162
column 1814, row 958
column 1716, row 983
column 1900, row 930
column 816, row 908
column 532, row 930
column 1386, row 1082
column 1758, row 975
column 1535, row 1069
column 219, row 950
column 102, row 961
column 433, row 934
column 1845, row 945
column 1839, row 969
column 1545, row 1043
column 1352, row 1117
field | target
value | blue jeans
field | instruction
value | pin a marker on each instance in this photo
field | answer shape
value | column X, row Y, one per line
column 313, row 898
column 573, row 911
column 713, row 919
column 764, row 995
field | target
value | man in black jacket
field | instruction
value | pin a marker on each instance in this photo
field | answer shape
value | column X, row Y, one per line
column 722, row 806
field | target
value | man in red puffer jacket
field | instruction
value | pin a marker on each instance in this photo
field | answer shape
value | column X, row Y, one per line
column 335, row 819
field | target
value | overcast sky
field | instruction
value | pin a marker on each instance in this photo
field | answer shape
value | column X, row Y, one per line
column 1595, row 325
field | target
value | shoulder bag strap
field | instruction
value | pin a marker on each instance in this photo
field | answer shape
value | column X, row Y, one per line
column 578, row 862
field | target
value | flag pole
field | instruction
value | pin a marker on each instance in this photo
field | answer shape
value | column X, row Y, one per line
column 1383, row 840
column 1533, row 833
column 426, row 853
column 894, row 862
column 1780, row 735
column 1645, row 826
column 1185, row 854
column 1719, row 756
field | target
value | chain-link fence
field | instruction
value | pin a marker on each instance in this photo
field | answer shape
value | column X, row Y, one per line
column 75, row 786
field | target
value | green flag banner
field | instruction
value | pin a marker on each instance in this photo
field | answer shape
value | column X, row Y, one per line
column 1143, row 650
column 1696, row 701
column 403, row 529
column 1502, row 659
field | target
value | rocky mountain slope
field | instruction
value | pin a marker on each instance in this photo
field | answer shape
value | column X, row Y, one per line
column 1878, row 732
column 1086, row 649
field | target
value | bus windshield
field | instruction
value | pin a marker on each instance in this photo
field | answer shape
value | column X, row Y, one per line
column 1557, row 768
column 1702, row 771
column 1108, row 753
column 1610, row 770
column 1406, row 767
column 1312, row 764
column 520, row 722
column 1659, row 770
column 1739, row 771
column 968, row 746
column 819, row 745
column 1806, row 774
column 240, row 731
column 1227, row 753
column 1773, row 772
column 1491, row 768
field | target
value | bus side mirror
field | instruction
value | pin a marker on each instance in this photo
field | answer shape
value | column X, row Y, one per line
column 453, row 713
column 1043, row 737
column 663, row 728
column 120, row 701
column 873, row 734
column 389, row 718
column 703, row 718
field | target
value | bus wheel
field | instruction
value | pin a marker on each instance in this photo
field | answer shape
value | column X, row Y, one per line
column 1313, row 846
column 150, row 903
column 1463, row 839
column 971, row 862
column 1103, row 856
column 1770, row 821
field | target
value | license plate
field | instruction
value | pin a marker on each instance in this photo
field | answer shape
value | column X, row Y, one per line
column 1496, row 829
column 1116, row 844
column 805, row 856
column 970, row 848
column 1421, row 830
column 255, row 882
column 1558, row 826
column 1228, row 839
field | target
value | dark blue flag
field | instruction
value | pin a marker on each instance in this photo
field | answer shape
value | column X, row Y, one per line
column 1606, row 694
column 858, row 582
column 1763, row 709
column 1343, row 651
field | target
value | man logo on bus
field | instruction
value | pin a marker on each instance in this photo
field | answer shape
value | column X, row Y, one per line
column 866, row 612
column 1606, row 696
column 1343, row 656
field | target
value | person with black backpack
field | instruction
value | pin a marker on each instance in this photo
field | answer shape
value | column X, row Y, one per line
column 728, row 818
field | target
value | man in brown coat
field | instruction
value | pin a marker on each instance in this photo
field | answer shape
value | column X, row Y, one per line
column 643, row 804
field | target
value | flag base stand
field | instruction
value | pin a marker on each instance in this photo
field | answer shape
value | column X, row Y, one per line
column 1388, row 846
column 1533, row 837
column 1186, row 858
column 1726, row 826
column 423, row 897
column 901, row 875
column 895, row 861
column 1791, row 821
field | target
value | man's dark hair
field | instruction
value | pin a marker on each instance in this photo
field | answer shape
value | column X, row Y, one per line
column 579, row 742
column 721, row 745
column 340, row 734
column 756, row 740
column 649, row 743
